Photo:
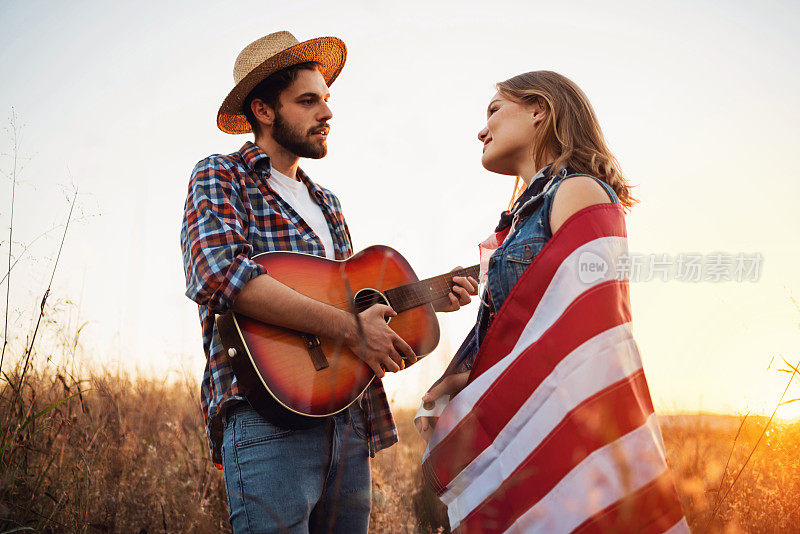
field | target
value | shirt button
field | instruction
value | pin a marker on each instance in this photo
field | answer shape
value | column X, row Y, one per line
column 491, row 262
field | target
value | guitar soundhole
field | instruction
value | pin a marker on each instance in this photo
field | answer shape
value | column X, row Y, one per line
column 369, row 297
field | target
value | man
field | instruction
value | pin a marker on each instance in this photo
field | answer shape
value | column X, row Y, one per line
column 258, row 200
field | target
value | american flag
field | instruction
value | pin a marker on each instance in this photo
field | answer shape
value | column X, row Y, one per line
column 555, row 431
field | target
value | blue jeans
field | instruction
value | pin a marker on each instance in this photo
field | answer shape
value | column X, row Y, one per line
column 293, row 481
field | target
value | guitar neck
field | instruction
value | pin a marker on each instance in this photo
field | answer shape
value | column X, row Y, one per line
column 409, row 296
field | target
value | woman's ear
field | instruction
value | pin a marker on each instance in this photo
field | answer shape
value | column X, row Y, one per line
column 538, row 113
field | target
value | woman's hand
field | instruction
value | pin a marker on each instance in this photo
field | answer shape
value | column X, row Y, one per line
column 459, row 295
column 451, row 385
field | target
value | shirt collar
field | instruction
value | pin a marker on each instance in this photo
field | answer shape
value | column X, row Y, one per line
column 254, row 157
column 314, row 188
column 535, row 187
column 258, row 160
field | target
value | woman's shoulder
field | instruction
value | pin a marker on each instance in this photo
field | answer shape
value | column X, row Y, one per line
column 573, row 194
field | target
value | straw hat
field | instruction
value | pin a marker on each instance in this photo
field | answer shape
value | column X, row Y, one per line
column 268, row 55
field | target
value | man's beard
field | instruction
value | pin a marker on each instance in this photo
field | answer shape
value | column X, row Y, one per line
column 295, row 141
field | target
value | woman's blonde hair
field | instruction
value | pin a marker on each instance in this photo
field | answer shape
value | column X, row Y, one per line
column 570, row 131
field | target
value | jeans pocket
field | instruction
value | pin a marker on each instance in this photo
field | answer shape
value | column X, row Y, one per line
column 254, row 430
column 525, row 250
column 358, row 421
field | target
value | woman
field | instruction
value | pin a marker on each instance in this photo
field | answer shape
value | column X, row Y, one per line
column 537, row 123
column 555, row 429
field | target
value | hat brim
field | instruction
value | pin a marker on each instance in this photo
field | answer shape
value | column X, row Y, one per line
column 329, row 52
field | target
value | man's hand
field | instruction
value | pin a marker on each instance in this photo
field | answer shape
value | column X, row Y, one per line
column 459, row 295
column 451, row 385
column 376, row 344
column 265, row 299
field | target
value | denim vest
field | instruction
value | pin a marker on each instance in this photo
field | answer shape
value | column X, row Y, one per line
column 508, row 262
column 531, row 233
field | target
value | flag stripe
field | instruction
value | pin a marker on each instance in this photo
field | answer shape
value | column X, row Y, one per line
column 681, row 527
column 582, row 374
column 565, row 287
column 591, row 315
column 597, row 483
column 601, row 220
column 652, row 509
column 594, row 424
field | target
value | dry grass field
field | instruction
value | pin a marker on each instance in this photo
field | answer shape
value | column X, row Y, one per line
column 129, row 455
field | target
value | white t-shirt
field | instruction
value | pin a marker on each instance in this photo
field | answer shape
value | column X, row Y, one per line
column 296, row 194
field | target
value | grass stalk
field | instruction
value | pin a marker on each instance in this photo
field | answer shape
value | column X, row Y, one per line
column 29, row 348
column 749, row 456
column 15, row 153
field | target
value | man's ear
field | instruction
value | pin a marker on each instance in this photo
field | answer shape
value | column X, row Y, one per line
column 262, row 111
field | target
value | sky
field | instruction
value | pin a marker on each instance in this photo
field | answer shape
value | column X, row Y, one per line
column 697, row 100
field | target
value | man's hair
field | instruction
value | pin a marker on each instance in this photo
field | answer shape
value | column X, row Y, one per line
column 270, row 88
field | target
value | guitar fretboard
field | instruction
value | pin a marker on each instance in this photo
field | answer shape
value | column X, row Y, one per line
column 409, row 296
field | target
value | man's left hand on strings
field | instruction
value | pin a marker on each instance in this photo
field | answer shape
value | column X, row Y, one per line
column 459, row 295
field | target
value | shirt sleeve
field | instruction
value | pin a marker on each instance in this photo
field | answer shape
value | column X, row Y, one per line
column 216, row 253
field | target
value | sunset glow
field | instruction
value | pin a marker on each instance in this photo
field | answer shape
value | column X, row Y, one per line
column 696, row 101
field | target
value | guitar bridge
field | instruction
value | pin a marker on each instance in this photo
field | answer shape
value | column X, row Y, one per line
column 315, row 351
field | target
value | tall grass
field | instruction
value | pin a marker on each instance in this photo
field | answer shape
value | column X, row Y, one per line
column 764, row 499
column 116, row 453
column 109, row 454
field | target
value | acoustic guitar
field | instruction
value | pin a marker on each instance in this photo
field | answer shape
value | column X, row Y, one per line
column 294, row 379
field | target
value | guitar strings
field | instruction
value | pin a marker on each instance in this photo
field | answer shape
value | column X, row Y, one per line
column 411, row 291
column 412, row 296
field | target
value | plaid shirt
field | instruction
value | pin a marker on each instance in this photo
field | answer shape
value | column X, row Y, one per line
column 232, row 213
